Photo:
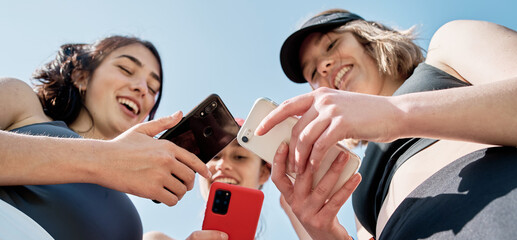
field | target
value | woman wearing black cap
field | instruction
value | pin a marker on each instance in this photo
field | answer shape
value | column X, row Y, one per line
column 435, row 166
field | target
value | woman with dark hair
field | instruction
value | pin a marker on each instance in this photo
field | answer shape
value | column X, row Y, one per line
column 74, row 188
column 441, row 131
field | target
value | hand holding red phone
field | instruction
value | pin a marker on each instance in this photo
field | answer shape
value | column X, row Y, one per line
column 208, row 235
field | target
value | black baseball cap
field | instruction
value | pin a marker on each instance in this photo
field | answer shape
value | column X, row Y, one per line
column 290, row 51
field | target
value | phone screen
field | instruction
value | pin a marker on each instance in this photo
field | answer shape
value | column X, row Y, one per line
column 206, row 130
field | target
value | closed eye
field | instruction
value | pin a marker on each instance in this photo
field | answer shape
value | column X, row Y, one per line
column 152, row 90
column 240, row 157
column 124, row 69
column 331, row 45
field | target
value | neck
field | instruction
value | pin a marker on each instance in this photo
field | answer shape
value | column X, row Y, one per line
column 84, row 126
column 391, row 84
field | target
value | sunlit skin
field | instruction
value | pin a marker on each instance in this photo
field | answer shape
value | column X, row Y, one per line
column 126, row 77
column 337, row 60
column 236, row 165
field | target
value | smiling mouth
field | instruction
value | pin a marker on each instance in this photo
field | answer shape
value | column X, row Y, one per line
column 339, row 76
column 130, row 105
column 227, row 180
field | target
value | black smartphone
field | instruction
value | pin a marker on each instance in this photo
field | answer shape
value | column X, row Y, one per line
column 205, row 130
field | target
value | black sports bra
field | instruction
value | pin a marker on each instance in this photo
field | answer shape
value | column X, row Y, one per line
column 383, row 159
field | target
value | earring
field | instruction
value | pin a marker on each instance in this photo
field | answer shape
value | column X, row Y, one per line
column 81, row 90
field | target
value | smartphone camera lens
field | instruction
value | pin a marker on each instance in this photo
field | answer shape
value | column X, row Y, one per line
column 208, row 131
column 221, row 201
column 244, row 139
column 210, row 107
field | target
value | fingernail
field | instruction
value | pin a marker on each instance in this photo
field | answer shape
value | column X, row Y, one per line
column 282, row 147
column 341, row 158
column 224, row 235
column 355, row 178
column 257, row 130
column 313, row 168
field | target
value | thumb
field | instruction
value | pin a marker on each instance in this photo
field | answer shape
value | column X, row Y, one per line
column 156, row 126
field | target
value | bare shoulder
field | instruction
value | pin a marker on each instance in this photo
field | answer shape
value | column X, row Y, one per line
column 474, row 50
column 19, row 104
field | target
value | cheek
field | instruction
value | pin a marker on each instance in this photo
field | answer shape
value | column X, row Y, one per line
column 149, row 103
column 211, row 167
column 251, row 175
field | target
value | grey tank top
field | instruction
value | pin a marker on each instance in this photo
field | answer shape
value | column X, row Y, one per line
column 76, row 210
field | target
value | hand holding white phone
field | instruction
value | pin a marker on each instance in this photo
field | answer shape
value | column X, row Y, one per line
column 265, row 146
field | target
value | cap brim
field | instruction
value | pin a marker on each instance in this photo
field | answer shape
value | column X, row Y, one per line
column 290, row 51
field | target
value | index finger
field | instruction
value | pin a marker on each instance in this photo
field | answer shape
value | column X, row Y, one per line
column 191, row 160
column 291, row 107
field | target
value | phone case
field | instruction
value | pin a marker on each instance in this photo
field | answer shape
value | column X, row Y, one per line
column 265, row 146
column 240, row 218
column 205, row 130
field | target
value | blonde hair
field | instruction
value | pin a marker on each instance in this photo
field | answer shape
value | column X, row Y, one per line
column 394, row 51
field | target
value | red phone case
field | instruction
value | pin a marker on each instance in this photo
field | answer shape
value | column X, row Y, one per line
column 241, row 220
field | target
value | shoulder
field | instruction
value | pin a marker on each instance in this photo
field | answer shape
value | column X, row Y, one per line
column 456, row 30
column 19, row 104
column 463, row 48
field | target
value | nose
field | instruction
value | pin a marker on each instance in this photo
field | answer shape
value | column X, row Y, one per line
column 323, row 70
column 223, row 164
column 324, row 66
column 139, row 85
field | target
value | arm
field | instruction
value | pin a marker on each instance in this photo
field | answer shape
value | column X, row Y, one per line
column 485, row 55
column 134, row 162
column 297, row 225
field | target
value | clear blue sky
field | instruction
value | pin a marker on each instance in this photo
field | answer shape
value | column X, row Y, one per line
column 226, row 47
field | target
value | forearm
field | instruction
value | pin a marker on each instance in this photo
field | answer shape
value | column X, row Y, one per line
column 297, row 225
column 483, row 113
column 29, row 159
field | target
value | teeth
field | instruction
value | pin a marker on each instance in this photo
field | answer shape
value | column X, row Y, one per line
column 227, row 180
column 130, row 104
column 339, row 75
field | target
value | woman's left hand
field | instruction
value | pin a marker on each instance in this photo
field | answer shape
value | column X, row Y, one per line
column 315, row 208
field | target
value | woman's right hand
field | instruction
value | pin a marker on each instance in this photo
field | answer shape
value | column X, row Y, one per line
column 137, row 163
column 208, row 235
column 315, row 208
column 329, row 116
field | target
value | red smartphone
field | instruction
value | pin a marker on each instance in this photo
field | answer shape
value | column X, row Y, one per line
column 234, row 210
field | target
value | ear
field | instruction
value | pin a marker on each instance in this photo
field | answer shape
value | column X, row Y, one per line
column 80, row 79
column 265, row 172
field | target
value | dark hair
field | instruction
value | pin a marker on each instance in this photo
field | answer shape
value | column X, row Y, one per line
column 57, row 90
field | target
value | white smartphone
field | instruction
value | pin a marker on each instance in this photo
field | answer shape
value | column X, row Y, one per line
column 265, row 146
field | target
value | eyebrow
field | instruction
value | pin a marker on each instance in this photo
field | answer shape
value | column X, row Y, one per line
column 138, row 63
column 318, row 40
